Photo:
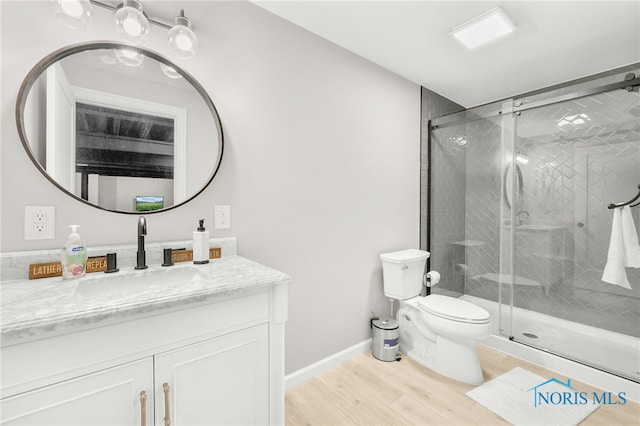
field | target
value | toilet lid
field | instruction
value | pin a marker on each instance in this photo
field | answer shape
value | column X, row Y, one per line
column 452, row 308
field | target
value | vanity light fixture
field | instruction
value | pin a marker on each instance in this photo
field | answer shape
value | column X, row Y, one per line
column 483, row 29
column 73, row 13
column 182, row 40
column 131, row 23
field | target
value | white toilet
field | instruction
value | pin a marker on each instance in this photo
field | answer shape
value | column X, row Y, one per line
column 437, row 331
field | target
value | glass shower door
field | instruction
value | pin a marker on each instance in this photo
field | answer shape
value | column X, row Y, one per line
column 470, row 244
column 519, row 222
column 575, row 157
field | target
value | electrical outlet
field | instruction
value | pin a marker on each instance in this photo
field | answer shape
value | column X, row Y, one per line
column 222, row 215
column 39, row 222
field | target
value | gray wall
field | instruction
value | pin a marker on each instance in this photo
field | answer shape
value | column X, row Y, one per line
column 321, row 164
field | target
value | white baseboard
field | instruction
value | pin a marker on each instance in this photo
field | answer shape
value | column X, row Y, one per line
column 325, row 364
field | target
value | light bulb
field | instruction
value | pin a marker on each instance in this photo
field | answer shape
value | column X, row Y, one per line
column 71, row 8
column 132, row 27
column 182, row 39
column 131, row 23
column 170, row 71
column 129, row 57
column 73, row 13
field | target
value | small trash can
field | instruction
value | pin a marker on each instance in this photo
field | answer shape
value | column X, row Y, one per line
column 385, row 339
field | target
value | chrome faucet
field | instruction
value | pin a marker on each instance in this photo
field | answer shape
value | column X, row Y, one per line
column 142, row 231
column 522, row 221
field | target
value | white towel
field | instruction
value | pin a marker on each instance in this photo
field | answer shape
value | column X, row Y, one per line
column 614, row 272
column 630, row 236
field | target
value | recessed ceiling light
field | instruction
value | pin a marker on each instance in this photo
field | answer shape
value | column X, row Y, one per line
column 483, row 29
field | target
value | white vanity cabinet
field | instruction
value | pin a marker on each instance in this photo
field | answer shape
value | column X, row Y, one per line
column 207, row 362
column 220, row 381
column 105, row 398
column 217, row 382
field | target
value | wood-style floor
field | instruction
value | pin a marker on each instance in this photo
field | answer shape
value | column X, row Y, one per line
column 365, row 391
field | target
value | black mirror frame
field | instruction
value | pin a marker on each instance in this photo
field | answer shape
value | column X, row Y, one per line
column 59, row 54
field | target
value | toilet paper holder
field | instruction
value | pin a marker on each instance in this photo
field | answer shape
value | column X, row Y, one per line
column 429, row 279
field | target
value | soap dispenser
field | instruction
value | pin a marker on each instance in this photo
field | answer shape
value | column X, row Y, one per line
column 73, row 256
column 200, row 244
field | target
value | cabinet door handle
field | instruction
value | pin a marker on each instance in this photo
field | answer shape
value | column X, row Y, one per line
column 167, row 415
column 143, row 408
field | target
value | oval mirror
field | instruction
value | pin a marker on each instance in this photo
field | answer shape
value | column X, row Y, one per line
column 119, row 127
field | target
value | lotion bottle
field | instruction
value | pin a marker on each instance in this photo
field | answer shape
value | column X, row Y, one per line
column 73, row 256
column 200, row 244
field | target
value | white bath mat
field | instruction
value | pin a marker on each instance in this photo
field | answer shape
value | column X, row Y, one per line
column 523, row 398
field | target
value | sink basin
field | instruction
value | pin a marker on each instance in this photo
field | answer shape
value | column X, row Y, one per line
column 121, row 285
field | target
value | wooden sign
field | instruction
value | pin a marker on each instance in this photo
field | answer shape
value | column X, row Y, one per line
column 45, row 270
column 215, row 253
column 181, row 256
column 187, row 255
column 54, row 269
column 99, row 263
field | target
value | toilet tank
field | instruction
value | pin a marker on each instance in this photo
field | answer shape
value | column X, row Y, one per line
column 402, row 273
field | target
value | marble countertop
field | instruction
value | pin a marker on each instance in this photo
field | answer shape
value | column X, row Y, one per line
column 38, row 308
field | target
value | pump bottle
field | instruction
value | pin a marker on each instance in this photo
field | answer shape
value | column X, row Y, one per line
column 200, row 244
column 73, row 256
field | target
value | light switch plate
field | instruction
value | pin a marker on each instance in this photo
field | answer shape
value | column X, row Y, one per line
column 39, row 222
column 222, row 216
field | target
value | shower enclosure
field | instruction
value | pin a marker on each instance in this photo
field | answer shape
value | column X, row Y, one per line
column 517, row 202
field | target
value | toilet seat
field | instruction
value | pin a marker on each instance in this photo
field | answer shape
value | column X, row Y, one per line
column 453, row 309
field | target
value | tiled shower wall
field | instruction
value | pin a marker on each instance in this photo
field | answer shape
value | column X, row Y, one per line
column 570, row 173
column 463, row 195
column 445, row 188
column 574, row 170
